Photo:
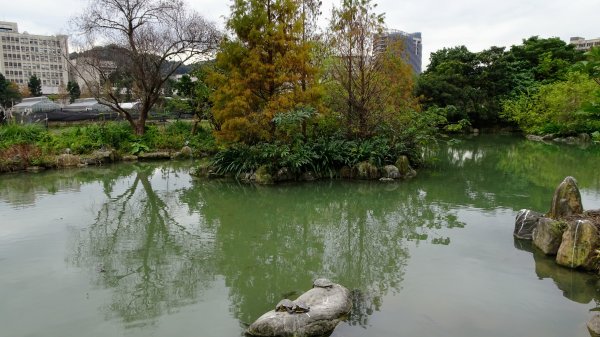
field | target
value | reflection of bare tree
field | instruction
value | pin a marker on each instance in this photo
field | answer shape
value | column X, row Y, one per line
column 137, row 247
column 272, row 242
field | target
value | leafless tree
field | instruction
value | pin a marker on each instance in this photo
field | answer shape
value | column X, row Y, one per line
column 353, row 26
column 149, row 39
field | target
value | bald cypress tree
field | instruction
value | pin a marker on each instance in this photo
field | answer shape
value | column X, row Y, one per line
column 264, row 69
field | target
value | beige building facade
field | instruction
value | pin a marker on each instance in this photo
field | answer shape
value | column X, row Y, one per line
column 582, row 44
column 23, row 55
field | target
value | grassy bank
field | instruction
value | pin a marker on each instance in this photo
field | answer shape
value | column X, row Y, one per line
column 29, row 145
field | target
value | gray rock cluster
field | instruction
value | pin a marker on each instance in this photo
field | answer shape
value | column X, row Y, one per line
column 564, row 232
column 582, row 138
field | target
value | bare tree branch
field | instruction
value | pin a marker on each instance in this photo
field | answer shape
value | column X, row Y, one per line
column 151, row 39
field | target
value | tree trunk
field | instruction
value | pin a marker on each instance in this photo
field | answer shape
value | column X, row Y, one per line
column 195, row 125
column 139, row 128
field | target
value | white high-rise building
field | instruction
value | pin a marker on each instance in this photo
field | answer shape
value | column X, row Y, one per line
column 23, row 55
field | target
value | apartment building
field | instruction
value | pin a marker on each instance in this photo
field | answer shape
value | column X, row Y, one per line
column 24, row 54
column 412, row 43
column 583, row 44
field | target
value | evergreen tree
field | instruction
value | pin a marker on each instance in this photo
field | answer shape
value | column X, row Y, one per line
column 9, row 95
column 35, row 86
column 74, row 91
column 3, row 90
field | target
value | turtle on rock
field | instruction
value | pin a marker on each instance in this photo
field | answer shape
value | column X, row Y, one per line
column 300, row 307
column 322, row 283
column 285, row 305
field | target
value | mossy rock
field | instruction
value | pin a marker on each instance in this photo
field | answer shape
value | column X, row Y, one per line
column 404, row 168
column 203, row 169
column 578, row 247
column 159, row 155
column 101, row 157
column 566, row 200
column 264, row 176
column 547, row 235
column 346, row 172
column 67, row 160
column 593, row 326
column 367, row 171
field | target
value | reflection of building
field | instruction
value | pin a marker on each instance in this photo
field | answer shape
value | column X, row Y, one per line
column 412, row 45
column 583, row 44
column 24, row 55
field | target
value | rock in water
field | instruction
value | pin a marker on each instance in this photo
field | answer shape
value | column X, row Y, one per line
column 579, row 244
column 547, row 235
column 328, row 307
column 391, row 172
column 525, row 223
column 593, row 326
column 367, row 171
column 566, row 200
column 403, row 165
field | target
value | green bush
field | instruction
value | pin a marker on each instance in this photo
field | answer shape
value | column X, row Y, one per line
column 323, row 155
column 87, row 138
column 116, row 135
column 559, row 108
column 15, row 134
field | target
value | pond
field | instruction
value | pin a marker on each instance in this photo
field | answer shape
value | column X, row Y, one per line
column 146, row 250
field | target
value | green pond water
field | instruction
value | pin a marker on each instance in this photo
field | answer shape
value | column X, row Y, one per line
column 146, row 250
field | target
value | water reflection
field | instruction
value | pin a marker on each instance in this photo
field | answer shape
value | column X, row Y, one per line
column 160, row 239
column 575, row 285
column 546, row 165
column 274, row 241
column 267, row 243
column 495, row 171
column 21, row 192
column 136, row 247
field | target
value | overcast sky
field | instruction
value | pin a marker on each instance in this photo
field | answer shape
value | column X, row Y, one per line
column 475, row 24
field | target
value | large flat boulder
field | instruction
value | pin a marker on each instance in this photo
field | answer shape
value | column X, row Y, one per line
column 328, row 307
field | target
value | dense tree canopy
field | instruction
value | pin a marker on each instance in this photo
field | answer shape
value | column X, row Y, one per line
column 471, row 86
column 264, row 69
